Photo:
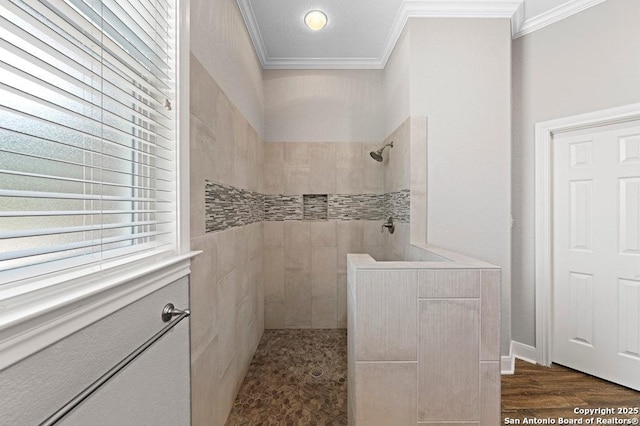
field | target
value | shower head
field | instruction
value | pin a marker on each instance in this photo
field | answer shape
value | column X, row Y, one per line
column 377, row 155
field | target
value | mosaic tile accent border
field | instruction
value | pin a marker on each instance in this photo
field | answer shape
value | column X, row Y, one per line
column 315, row 207
column 356, row 206
column 227, row 207
column 397, row 204
column 282, row 207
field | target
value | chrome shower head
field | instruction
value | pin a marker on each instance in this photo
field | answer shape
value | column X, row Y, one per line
column 377, row 155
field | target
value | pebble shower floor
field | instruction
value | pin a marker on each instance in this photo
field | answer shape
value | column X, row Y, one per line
column 296, row 377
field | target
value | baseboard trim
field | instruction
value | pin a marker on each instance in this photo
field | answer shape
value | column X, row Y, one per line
column 520, row 351
column 524, row 352
column 507, row 362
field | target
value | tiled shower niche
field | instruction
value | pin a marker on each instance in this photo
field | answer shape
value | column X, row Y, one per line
column 315, row 207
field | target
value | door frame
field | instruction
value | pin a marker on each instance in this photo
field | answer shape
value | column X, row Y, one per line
column 544, row 132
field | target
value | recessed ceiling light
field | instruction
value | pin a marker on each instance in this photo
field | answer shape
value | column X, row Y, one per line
column 315, row 20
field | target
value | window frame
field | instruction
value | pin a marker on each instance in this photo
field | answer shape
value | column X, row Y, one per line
column 38, row 311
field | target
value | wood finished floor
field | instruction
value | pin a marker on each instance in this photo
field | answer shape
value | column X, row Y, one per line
column 541, row 392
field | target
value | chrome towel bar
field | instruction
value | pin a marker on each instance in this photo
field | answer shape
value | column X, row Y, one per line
column 167, row 312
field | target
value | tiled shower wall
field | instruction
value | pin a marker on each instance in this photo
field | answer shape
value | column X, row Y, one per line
column 405, row 173
column 305, row 261
column 226, row 289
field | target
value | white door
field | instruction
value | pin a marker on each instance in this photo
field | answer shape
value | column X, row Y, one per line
column 596, row 252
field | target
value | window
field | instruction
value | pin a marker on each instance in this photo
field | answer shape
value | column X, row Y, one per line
column 87, row 133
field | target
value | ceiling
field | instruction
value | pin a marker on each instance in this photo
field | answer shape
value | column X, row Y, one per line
column 362, row 33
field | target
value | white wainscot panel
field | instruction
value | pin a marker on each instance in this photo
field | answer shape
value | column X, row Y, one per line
column 581, row 307
column 581, row 206
column 629, row 317
column 581, row 154
column 629, row 216
column 630, row 149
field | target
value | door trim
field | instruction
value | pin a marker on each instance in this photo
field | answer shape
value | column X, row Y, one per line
column 544, row 132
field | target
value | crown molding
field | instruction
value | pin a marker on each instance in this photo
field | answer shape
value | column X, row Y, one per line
column 447, row 9
column 323, row 63
column 554, row 15
column 510, row 9
column 249, row 18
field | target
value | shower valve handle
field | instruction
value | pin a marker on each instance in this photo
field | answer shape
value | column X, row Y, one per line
column 389, row 225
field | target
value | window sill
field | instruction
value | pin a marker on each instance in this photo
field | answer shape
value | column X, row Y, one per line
column 33, row 321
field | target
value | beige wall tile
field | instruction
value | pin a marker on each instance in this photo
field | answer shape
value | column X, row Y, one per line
column 226, row 307
column 386, row 315
column 341, row 313
column 372, row 171
column 202, row 141
column 227, row 391
column 418, row 216
column 241, row 151
column 254, row 239
column 372, row 235
column 386, row 393
column 226, row 240
column 274, row 153
column 324, row 272
column 203, row 295
column 204, row 386
column 256, row 294
column 349, row 181
column 490, row 316
column 377, row 252
column 244, row 319
column 197, row 215
column 274, row 274
column 323, row 234
column 322, row 164
column 295, row 180
column 348, row 155
column 448, row 283
column 253, row 163
column 322, row 154
column 297, row 298
column 296, row 154
column 243, row 283
column 322, row 180
column 297, row 247
column 224, row 148
column 323, row 313
column 454, row 366
column 203, row 92
column 242, row 245
column 273, row 314
column 260, row 164
column 418, row 152
column 372, row 179
column 273, row 179
column 273, row 234
column 396, row 244
column 350, row 240
column 490, row 413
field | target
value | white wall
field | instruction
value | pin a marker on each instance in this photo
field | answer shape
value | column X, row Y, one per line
column 323, row 105
column 220, row 41
column 460, row 80
column 587, row 62
column 36, row 387
column 397, row 85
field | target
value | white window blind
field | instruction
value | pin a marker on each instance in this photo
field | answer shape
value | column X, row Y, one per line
column 87, row 133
